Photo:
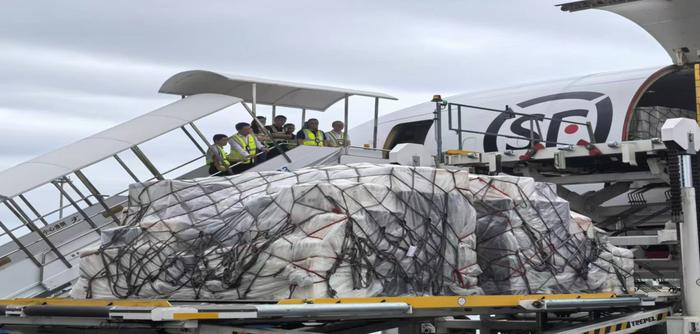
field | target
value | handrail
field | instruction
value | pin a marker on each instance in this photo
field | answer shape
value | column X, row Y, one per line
column 45, row 252
column 534, row 122
column 510, row 111
column 236, row 164
column 61, row 208
column 275, row 146
column 368, row 148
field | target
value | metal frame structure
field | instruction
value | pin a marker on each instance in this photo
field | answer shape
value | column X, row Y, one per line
column 658, row 163
column 275, row 93
column 41, row 257
column 509, row 113
column 575, row 313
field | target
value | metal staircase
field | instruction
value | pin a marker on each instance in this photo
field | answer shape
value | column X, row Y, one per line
column 40, row 246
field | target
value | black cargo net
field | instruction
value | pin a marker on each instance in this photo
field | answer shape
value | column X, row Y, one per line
column 347, row 231
column 528, row 241
column 646, row 122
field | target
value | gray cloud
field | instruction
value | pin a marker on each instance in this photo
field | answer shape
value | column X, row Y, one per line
column 74, row 68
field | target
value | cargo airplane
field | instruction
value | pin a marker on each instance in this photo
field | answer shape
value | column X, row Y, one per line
column 613, row 103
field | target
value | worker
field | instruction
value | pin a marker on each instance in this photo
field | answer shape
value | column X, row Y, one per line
column 277, row 128
column 289, row 130
column 244, row 148
column 257, row 130
column 336, row 137
column 217, row 158
column 280, row 136
column 311, row 136
column 290, row 143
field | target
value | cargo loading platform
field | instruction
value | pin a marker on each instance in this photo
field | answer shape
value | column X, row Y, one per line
column 570, row 313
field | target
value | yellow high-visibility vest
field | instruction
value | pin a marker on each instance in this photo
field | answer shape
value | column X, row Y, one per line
column 313, row 139
column 224, row 157
column 249, row 147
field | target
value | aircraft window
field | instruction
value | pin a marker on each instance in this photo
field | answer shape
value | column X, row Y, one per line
column 410, row 132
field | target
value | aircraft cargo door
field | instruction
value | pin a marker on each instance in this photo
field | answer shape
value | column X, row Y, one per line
column 674, row 24
column 409, row 132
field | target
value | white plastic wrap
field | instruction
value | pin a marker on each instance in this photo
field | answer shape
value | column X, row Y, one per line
column 530, row 242
column 343, row 231
column 348, row 230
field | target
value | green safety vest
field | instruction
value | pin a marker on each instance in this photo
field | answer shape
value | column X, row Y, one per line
column 313, row 139
column 249, row 147
column 224, row 156
column 337, row 141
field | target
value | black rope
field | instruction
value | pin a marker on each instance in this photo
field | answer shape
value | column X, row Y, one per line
column 209, row 239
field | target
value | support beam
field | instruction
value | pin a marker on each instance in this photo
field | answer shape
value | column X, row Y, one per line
column 376, row 122
column 200, row 134
column 618, row 209
column 149, row 165
column 347, row 109
column 690, row 246
column 126, row 168
column 274, row 112
column 199, row 147
column 77, row 191
column 459, row 127
column 255, row 100
column 303, row 117
column 33, row 210
column 591, row 178
column 437, row 122
column 76, row 206
column 696, row 71
column 19, row 213
column 590, row 201
column 619, row 218
column 633, row 222
column 93, row 190
column 19, row 244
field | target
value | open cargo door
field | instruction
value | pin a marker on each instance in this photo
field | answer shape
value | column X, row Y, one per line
column 673, row 23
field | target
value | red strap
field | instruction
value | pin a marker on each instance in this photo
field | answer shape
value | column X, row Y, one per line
column 531, row 152
column 592, row 149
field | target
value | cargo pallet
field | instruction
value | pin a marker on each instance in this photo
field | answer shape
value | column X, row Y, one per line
column 556, row 313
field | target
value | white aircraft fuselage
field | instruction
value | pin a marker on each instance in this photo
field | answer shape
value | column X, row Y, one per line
column 606, row 100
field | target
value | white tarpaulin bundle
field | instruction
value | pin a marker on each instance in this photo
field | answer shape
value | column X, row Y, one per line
column 529, row 242
column 339, row 231
column 358, row 230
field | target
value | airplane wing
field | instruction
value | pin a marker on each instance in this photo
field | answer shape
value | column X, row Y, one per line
column 673, row 23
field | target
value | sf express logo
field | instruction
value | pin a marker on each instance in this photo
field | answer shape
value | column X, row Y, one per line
column 574, row 106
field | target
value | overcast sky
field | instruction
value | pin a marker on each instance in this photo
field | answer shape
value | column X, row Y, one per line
column 72, row 68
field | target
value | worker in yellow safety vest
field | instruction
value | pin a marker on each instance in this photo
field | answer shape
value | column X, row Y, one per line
column 311, row 135
column 244, row 148
column 217, row 158
column 336, row 137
